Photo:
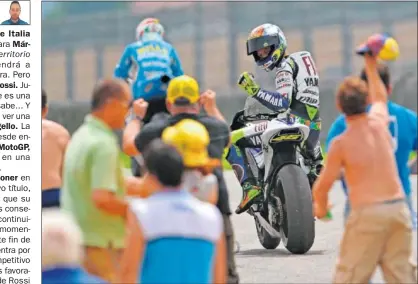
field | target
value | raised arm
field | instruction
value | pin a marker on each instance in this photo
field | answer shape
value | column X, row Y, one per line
column 383, row 47
column 208, row 102
column 377, row 90
column 279, row 100
column 139, row 109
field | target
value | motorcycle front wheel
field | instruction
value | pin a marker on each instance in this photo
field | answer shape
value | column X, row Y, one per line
column 266, row 240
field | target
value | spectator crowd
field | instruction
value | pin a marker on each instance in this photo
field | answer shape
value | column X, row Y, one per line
column 171, row 223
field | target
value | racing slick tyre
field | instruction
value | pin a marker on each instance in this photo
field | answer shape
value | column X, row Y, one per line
column 294, row 193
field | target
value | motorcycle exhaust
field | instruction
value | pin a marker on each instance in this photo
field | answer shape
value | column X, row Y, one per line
column 266, row 225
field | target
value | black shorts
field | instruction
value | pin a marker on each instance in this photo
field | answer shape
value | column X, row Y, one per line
column 155, row 106
column 51, row 197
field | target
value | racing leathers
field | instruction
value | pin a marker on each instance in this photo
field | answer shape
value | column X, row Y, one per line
column 297, row 92
column 146, row 62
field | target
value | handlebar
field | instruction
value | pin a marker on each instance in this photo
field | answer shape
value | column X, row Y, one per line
column 260, row 116
column 240, row 119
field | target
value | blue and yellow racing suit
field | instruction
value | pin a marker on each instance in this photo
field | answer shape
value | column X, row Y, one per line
column 145, row 62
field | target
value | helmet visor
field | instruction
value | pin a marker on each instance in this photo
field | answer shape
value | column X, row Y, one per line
column 258, row 43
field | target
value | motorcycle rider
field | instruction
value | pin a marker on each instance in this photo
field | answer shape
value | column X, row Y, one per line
column 296, row 96
column 149, row 63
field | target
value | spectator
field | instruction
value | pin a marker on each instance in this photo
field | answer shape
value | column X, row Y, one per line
column 378, row 229
column 93, row 189
column 55, row 139
column 173, row 237
column 184, row 102
column 403, row 128
column 14, row 15
column 192, row 139
column 198, row 178
column 62, row 251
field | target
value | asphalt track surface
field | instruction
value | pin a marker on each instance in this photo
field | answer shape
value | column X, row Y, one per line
column 258, row 265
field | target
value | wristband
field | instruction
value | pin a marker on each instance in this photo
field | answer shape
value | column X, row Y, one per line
column 131, row 116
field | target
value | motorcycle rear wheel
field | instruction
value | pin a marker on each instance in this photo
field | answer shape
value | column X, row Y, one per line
column 293, row 190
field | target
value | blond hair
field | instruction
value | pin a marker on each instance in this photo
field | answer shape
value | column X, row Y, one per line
column 61, row 239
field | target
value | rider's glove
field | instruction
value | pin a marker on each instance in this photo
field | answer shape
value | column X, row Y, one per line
column 247, row 82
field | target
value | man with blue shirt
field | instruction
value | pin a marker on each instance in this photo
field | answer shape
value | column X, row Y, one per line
column 14, row 15
column 172, row 236
column 150, row 62
column 403, row 127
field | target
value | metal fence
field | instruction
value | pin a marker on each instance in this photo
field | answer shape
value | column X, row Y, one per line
column 210, row 38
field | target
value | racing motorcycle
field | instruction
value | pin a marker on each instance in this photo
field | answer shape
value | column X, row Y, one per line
column 274, row 158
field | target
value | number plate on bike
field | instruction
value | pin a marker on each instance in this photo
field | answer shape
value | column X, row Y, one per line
column 296, row 137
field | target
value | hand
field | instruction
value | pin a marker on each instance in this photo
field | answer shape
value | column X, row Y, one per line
column 140, row 107
column 208, row 100
column 247, row 82
column 323, row 213
column 380, row 45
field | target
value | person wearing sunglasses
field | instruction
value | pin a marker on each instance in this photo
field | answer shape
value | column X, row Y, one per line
column 93, row 182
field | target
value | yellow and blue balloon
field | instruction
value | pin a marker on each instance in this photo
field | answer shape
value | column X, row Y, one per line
column 383, row 46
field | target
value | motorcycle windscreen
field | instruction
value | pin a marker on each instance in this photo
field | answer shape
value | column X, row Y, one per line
column 254, row 108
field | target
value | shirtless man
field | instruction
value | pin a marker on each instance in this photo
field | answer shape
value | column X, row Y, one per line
column 378, row 231
column 54, row 142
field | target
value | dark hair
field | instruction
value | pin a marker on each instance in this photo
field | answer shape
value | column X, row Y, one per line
column 14, row 2
column 164, row 162
column 104, row 90
column 44, row 99
column 352, row 96
column 383, row 73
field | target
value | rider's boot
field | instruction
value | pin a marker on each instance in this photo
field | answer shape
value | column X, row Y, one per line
column 250, row 190
column 250, row 194
column 315, row 162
